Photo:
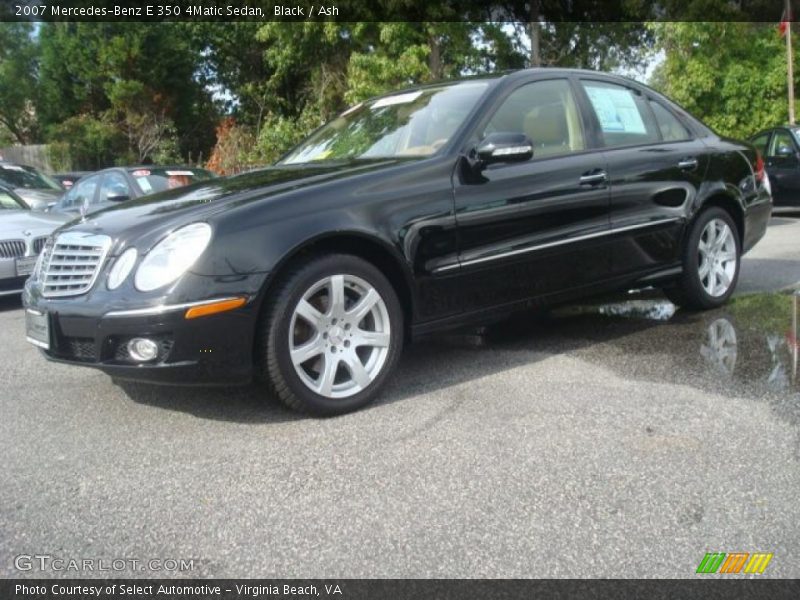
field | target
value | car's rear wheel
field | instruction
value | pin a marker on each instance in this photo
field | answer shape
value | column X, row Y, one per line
column 332, row 335
column 711, row 261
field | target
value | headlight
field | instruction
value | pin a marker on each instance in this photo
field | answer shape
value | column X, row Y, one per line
column 172, row 257
column 122, row 268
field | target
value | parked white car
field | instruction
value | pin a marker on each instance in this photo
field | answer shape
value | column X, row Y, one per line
column 23, row 233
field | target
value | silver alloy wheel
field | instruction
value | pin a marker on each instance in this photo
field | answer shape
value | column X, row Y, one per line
column 716, row 258
column 720, row 346
column 339, row 336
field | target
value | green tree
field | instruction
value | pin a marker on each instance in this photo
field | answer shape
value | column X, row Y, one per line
column 231, row 61
column 141, row 77
column 732, row 75
column 18, row 63
column 93, row 143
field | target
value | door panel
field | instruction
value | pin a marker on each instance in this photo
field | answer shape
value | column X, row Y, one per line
column 783, row 168
column 655, row 169
column 650, row 195
column 532, row 228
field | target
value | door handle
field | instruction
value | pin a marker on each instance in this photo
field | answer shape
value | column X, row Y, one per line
column 593, row 178
column 688, row 164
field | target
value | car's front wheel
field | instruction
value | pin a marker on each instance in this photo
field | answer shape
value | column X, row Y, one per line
column 711, row 261
column 332, row 335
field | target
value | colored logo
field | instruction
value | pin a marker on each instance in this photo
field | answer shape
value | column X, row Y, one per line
column 734, row 562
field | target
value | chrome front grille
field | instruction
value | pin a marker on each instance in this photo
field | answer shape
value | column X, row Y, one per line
column 38, row 244
column 12, row 249
column 70, row 265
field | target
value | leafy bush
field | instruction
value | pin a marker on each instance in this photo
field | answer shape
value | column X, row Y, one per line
column 231, row 152
column 60, row 156
column 93, row 143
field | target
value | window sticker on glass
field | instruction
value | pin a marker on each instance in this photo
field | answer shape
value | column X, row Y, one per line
column 616, row 110
column 141, row 173
column 176, row 173
column 396, row 99
column 144, row 183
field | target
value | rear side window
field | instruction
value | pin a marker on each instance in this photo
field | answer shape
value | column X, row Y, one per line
column 672, row 130
column 760, row 142
column 622, row 113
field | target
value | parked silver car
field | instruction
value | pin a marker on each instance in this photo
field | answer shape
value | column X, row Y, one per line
column 23, row 233
column 36, row 189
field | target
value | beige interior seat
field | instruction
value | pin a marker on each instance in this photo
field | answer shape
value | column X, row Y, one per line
column 547, row 128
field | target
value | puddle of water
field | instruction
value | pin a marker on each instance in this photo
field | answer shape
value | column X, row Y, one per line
column 749, row 347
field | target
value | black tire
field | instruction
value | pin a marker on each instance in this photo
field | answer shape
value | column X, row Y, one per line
column 273, row 360
column 688, row 291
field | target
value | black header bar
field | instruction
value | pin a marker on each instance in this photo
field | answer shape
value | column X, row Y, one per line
column 385, row 10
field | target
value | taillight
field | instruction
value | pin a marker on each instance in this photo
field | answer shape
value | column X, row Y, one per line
column 759, row 168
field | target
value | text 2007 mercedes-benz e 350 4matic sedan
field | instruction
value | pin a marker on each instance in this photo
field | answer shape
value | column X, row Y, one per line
column 420, row 210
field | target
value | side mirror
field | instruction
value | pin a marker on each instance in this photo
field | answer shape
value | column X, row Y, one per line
column 504, row 147
column 117, row 197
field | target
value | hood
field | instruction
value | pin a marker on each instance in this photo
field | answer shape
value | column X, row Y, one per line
column 152, row 216
column 38, row 198
column 14, row 223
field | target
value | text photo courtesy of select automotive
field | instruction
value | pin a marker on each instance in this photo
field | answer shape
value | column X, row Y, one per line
column 269, row 309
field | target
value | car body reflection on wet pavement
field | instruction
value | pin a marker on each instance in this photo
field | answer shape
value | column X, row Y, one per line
column 748, row 348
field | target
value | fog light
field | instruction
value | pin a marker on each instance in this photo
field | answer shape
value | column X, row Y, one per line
column 142, row 349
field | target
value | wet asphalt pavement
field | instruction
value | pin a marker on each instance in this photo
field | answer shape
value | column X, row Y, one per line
column 616, row 438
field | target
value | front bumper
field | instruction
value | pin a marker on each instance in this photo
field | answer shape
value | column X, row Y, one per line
column 93, row 331
column 10, row 283
column 11, row 286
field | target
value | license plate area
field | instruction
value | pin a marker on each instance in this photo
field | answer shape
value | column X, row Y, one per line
column 25, row 265
column 37, row 328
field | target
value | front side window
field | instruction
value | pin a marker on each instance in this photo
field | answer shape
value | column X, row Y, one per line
column 672, row 130
column 546, row 112
column 796, row 133
column 115, row 187
column 81, row 192
column 409, row 124
column 781, row 145
column 622, row 113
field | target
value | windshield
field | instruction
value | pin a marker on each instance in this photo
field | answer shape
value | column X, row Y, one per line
column 158, row 179
column 18, row 176
column 410, row 124
column 8, row 202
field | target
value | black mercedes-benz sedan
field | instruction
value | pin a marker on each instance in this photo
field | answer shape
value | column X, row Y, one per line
column 421, row 210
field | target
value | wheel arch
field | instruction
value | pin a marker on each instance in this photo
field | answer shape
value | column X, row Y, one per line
column 729, row 202
column 363, row 245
